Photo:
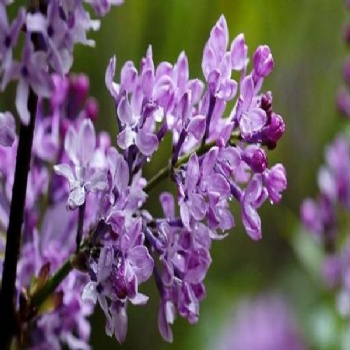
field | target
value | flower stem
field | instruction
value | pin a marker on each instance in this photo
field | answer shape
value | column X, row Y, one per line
column 165, row 172
column 42, row 294
column 13, row 238
column 80, row 225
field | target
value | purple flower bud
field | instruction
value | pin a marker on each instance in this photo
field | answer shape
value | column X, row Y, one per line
column 274, row 131
column 263, row 61
column 255, row 158
column 78, row 91
column 266, row 103
column 92, row 109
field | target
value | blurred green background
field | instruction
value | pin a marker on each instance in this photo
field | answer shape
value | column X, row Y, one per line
column 306, row 40
column 305, row 37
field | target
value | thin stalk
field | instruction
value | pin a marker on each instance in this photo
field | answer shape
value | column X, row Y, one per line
column 42, row 294
column 13, row 237
column 80, row 225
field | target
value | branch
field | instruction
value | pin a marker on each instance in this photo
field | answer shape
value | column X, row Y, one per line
column 13, row 237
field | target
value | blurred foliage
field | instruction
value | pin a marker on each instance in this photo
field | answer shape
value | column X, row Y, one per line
column 306, row 41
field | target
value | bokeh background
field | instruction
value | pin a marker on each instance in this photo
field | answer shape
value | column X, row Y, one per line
column 306, row 40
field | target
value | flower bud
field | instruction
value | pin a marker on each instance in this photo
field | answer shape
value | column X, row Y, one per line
column 78, row 91
column 92, row 109
column 274, row 130
column 263, row 61
column 256, row 159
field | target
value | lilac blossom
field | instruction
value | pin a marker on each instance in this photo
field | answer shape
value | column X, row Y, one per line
column 83, row 177
column 118, row 273
column 58, row 27
column 161, row 99
column 113, row 242
column 322, row 217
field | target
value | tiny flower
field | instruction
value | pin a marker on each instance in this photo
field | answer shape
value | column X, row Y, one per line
column 32, row 73
column 251, row 118
column 276, row 182
column 82, row 176
column 253, row 197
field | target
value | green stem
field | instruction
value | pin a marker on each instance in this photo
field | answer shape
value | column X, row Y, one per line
column 42, row 294
column 165, row 172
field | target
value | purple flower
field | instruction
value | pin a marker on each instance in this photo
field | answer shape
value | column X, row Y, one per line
column 83, row 177
column 32, row 73
column 216, row 62
column 56, row 34
column 8, row 37
column 254, row 195
column 102, row 7
column 120, row 269
column 250, row 116
column 134, row 131
column 276, row 182
column 191, row 202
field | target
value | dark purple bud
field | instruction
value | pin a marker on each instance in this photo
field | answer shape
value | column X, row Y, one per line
column 263, row 61
column 274, row 131
column 60, row 90
column 266, row 103
column 92, row 109
column 78, row 91
column 256, row 159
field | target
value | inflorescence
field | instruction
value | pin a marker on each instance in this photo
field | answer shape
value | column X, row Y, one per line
column 88, row 235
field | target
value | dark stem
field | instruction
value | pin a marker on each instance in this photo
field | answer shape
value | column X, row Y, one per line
column 13, row 238
column 212, row 101
column 80, row 225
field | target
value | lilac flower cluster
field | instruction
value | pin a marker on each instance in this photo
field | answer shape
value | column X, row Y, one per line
column 215, row 159
column 48, row 229
column 52, row 28
column 87, row 235
column 326, row 218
